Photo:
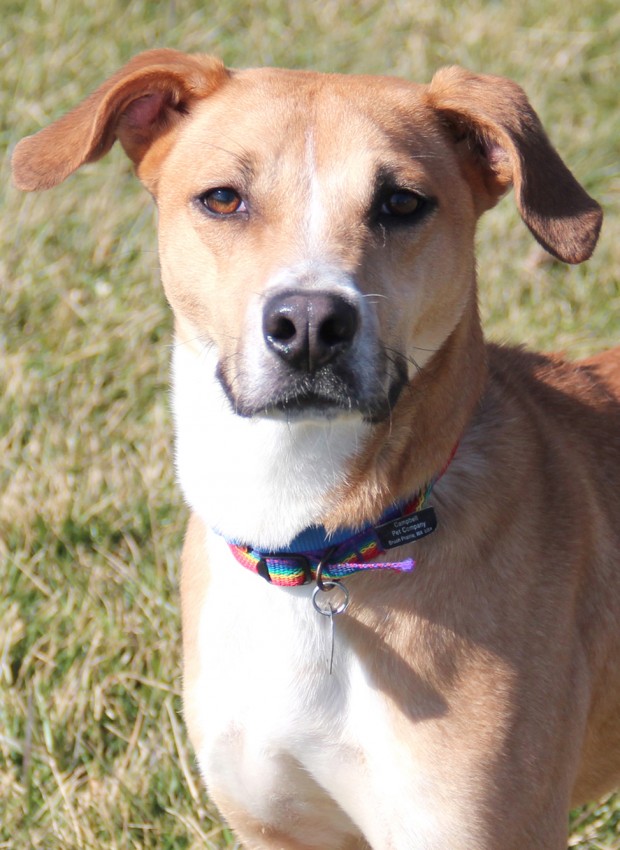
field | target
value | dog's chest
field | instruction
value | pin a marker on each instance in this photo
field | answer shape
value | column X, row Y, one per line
column 287, row 744
column 278, row 728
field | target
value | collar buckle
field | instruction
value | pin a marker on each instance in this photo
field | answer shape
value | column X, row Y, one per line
column 292, row 558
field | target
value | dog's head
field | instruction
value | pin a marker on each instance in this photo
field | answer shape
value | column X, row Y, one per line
column 317, row 231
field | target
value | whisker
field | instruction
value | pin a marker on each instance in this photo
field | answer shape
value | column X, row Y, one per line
column 430, row 350
column 177, row 343
column 399, row 357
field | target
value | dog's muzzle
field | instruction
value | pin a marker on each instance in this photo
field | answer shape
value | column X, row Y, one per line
column 317, row 358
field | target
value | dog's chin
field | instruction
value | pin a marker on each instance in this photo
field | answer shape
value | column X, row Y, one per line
column 305, row 406
column 312, row 399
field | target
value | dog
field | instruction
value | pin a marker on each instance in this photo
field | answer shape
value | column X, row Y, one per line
column 401, row 576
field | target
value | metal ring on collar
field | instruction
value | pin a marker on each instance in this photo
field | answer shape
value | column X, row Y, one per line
column 328, row 587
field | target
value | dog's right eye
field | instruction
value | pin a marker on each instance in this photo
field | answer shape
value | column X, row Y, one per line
column 402, row 205
column 396, row 205
column 222, row 201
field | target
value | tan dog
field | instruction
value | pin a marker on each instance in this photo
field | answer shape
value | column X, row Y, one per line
column 317, row 248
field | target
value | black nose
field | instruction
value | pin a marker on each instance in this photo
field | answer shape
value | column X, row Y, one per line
column 309, row 329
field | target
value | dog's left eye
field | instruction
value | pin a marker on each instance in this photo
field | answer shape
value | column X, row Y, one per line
column 401, row 204
column 222, row 201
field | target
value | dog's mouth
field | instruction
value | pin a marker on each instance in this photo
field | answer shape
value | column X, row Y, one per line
column 327, row 393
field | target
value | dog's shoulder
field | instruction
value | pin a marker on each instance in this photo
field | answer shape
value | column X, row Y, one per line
column 604, row 368
column 575, row 404
column 594, row 382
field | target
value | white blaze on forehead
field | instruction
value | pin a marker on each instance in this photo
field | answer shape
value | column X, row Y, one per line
column 340, row 171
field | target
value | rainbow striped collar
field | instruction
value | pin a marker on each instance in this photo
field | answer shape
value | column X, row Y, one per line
column 349, row 552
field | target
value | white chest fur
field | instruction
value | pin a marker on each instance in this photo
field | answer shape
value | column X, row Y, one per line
column 262, row 480
column 285, row 740
column 272, row 710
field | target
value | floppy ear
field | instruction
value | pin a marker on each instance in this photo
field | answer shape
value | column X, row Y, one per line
column 503, row 143
column 140, row 103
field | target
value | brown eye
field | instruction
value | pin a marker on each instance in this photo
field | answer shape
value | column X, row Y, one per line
column 401, row 204
column 222, row 201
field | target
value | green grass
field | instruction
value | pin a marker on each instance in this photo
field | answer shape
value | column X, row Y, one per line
column 93, row 752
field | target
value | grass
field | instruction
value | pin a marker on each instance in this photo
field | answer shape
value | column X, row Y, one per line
column 92, row 747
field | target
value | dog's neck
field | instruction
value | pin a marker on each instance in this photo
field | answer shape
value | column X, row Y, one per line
column 264, row 481
column 430, row 418
column 315, row 552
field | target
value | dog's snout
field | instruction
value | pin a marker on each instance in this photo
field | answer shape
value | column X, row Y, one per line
column 309, row 329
